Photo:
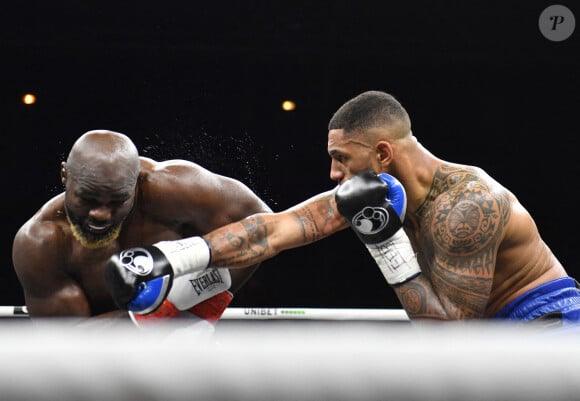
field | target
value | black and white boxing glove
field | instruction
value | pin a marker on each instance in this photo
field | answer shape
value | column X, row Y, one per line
column 375, row 206
column 140, row 278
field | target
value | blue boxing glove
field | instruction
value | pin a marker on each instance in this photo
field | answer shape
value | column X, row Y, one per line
column 140, row 278
column 375, row 206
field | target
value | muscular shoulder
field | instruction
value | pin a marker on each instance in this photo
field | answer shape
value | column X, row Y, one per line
column 190, row 192
column 42, row 239
column 49, row 219
column 467, row 210
column 182, row 176
column 169, row 173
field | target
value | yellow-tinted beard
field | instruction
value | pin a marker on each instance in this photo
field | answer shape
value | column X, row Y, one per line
column 106, row 240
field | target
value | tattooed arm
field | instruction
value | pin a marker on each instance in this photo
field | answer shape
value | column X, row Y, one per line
column 264, row 235
column 460, row 233
column 236, row 245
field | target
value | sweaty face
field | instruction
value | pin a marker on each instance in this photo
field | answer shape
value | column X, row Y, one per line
column 96, row 211
column 349, row 155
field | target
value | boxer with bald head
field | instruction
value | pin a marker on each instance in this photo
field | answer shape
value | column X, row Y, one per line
column 451, row 241
column 115, row 199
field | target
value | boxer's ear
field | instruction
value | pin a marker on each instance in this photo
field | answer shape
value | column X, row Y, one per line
column 384, row 153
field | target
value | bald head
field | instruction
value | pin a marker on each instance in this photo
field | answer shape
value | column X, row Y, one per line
column 104, row 155
column 372, row 110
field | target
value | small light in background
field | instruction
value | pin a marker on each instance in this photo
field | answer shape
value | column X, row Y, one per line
column 288, row 105
column 29, row 98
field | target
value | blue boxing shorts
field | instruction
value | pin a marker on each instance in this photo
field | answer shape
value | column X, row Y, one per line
column 555, row 301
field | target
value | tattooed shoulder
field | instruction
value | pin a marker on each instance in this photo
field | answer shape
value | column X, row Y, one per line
column 469, row 214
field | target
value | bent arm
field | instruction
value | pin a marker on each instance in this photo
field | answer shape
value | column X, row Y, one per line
column 263, row 235
column 48, row 291
column 236, row 246
column 465, row 231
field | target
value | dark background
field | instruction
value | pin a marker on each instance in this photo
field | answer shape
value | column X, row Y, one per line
column 205, row 80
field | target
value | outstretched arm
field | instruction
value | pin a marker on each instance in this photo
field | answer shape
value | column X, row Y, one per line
column 140, row 278
column 264, row 235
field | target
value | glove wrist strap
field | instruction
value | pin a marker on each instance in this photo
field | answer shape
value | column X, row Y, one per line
column 186, row 255
column 396, row 258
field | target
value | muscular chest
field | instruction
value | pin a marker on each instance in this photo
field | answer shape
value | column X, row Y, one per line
column 420, row 237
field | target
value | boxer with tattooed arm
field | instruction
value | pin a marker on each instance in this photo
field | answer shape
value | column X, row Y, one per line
column 450, row 240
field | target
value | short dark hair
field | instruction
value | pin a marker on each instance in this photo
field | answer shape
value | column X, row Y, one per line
column 370, row 109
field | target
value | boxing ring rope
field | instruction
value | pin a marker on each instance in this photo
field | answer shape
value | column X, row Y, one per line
column 13, row 311
column 288, row 354
column 315, row 314
column 241, row 313
column 289, row 360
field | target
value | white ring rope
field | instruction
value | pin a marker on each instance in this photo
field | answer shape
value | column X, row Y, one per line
column 291, row 361
column 13, row 311
column 315, row 314
column 236, row 313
